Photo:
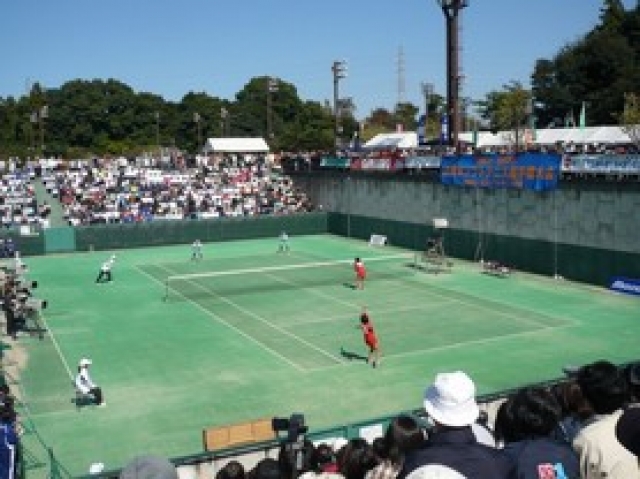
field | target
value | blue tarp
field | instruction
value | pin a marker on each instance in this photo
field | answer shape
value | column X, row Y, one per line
column 531, row 171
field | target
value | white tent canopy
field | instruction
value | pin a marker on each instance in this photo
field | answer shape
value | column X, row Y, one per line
column 552, row 136
column 236, row 145
column 392, row 140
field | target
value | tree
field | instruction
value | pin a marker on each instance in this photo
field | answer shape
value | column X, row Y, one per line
column 630, row 118
column 597, row 70
column 508, row 109
column 381, row 118
column 406, row 114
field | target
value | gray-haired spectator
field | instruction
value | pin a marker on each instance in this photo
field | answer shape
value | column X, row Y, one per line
column 149, row 467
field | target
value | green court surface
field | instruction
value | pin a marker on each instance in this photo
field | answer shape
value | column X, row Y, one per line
column 250, row 333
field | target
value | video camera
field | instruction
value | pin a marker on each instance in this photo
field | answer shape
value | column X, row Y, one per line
column 294, row 427
column 293, row 446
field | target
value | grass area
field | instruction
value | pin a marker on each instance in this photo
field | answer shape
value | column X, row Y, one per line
column 257, row 334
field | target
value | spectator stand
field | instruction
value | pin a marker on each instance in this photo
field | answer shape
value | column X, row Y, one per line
column 223, row 186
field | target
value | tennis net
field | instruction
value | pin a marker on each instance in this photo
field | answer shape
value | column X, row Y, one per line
column 282, row 277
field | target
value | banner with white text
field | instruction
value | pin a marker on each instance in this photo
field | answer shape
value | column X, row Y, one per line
column 530, row 171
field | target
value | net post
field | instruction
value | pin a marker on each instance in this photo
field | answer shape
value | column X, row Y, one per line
column 166, row 289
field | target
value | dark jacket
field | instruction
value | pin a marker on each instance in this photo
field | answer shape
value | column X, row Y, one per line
column 533, row 457
column 458, row 449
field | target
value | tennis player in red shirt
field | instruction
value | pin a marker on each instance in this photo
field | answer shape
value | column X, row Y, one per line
column 361, row 273
column 370, row 338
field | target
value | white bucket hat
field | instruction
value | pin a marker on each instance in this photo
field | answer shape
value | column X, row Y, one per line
column 85, row 362
column 451, row 401
column 435, row 471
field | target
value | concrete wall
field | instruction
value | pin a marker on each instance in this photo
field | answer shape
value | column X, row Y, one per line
column 597, row 215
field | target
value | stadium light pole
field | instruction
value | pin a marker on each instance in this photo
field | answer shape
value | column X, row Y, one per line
column 43, row 114
column 157, row 116
column 272, row 87
column 427, row 91
column 339, row 70
column 223, row 121
column 196, row 120
column 451, row 10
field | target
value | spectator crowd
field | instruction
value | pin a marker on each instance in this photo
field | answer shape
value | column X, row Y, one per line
column 119, row 191
column 587, row 427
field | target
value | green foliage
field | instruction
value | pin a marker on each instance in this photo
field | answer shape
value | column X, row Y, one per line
column 405, row 115
column 630, row 118
column 84, row 117
column 107, row 117
column 507, row 109
column 598, row 70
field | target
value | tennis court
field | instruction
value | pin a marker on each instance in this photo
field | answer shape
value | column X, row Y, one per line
column 181, row 345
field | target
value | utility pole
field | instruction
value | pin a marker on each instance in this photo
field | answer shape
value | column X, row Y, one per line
column 339, row 70
column 451, row 10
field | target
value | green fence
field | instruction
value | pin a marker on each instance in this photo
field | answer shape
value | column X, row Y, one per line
column 578, row 263
column 29, row 245
column 114, row 236
column 118, row 236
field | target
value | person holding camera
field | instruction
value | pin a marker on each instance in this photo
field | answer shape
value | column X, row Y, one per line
column 9, row 307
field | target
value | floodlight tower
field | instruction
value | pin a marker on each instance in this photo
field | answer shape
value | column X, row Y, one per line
column 339, row 70
column 273, row 85
column 451, row 10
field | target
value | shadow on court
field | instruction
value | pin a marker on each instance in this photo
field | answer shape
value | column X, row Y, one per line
column 351, row 356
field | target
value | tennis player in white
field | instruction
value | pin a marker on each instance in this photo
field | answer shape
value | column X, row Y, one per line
column 196, row 251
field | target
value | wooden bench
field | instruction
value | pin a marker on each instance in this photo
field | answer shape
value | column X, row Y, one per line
column 222, row 437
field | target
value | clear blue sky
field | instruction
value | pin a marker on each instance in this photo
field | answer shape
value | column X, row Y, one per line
column 171, row 47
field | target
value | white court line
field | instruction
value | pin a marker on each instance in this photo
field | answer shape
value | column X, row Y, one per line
column 317, row 293
column 378, row 313
column 268, row 323
column 267, row 269
column 222, row 321
column 498, row 313
column 56, row 345
column 437, row 349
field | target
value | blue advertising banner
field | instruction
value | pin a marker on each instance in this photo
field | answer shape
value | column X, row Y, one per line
column 625, row 285
column 530, row 171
